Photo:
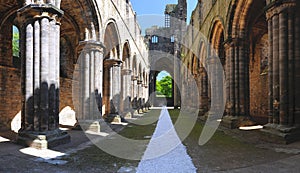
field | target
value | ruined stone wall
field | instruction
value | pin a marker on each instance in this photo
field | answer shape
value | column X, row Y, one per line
column 205, row 15
column 66, row 97
column 72, row 32
column 259, row 80
column 6, row 45
column 10, row 95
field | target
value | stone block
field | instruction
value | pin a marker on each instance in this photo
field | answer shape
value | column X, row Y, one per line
column 43, row 140
column 280, row 134
column 67, row 117
column 90, row 125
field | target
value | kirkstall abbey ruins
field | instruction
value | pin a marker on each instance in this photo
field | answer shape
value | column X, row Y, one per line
column 89, row 60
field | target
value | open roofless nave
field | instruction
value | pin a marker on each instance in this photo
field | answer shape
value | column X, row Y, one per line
column 85, row 64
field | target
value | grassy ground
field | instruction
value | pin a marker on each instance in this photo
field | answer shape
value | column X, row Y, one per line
column 222, row 152
column 97, row 160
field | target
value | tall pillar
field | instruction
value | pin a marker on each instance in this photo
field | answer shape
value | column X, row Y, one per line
column 270, row 70
column 232, row 81
column 176, row 86
column 203, row 91
column 284, row 67
column 90, row 84
column 126, row 98
column 237, row 83
column 145, row 97
column 134, row 101
column 40, row 25
column 140, row 96
column 114, row 70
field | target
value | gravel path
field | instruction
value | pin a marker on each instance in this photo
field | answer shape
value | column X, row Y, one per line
column 165, row 152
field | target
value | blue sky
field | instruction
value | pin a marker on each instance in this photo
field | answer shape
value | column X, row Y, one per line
column 161, row 75
column 151, row 12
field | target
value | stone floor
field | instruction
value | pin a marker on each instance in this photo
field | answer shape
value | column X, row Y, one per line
column 241, row 151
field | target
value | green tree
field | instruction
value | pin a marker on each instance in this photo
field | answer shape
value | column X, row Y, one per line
column 15, row 43
column 164, row 86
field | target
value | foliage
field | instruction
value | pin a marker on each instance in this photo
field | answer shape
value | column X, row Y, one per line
column 15, row 44
column 164, row 86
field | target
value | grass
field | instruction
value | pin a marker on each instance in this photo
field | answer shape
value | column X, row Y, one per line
column 213, row 155
column 100, row 161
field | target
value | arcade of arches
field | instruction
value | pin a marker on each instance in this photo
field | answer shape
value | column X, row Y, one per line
column 257, row 43
column 82, row 54
column 72, row 54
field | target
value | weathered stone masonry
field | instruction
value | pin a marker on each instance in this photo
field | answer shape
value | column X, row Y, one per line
column 261, row 59
column 63, row 58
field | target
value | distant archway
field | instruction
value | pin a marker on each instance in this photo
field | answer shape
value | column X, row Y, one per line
column 164, row 66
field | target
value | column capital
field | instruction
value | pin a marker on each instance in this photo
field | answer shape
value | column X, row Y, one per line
column 276, row 7
column 230, row 42
column 33, row 11
column 126, row 71
column 212, row 60
column 91, row 45
column 112, row 62
column 134, row 78
column 139, row 82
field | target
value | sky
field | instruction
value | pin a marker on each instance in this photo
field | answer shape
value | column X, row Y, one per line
column 161, row 75
column 151, row 12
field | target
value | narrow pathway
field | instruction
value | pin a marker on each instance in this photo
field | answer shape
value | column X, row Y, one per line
column 165, row 152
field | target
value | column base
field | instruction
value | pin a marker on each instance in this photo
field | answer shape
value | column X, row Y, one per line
column 90, row 125
column 43, row 140
column 145, row 110
column 281, row 134
column 136, row 112
column 140, row 111
column 128, row 115
column 113, row 118
column 202, row 112
column 202, row 115
column 233, row 122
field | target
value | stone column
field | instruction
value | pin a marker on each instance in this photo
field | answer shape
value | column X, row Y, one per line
column 227, row 76
column 237, row 79
column 90, row 84
column 40, row 25
column 270, row 71
column 243, row 73
column 140, row 96
column 146, row 107
column 296, row 75
column 283, row 70
column 231, row 80
column 126, row 98
column 275, row 60
column 134, row 100
column 210, row 74
column 177, row 78
column 203, row 90
column 114, row 69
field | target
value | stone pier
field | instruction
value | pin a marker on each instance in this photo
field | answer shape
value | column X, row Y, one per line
column 40, row 27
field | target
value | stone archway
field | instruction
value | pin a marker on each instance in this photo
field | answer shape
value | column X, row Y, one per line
column 163, row 63
column 216, row 55
column 112, row 71
column 10, row 71
column 40, row 26
column 258, row 63
column 126, row 82
column 163, row 98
